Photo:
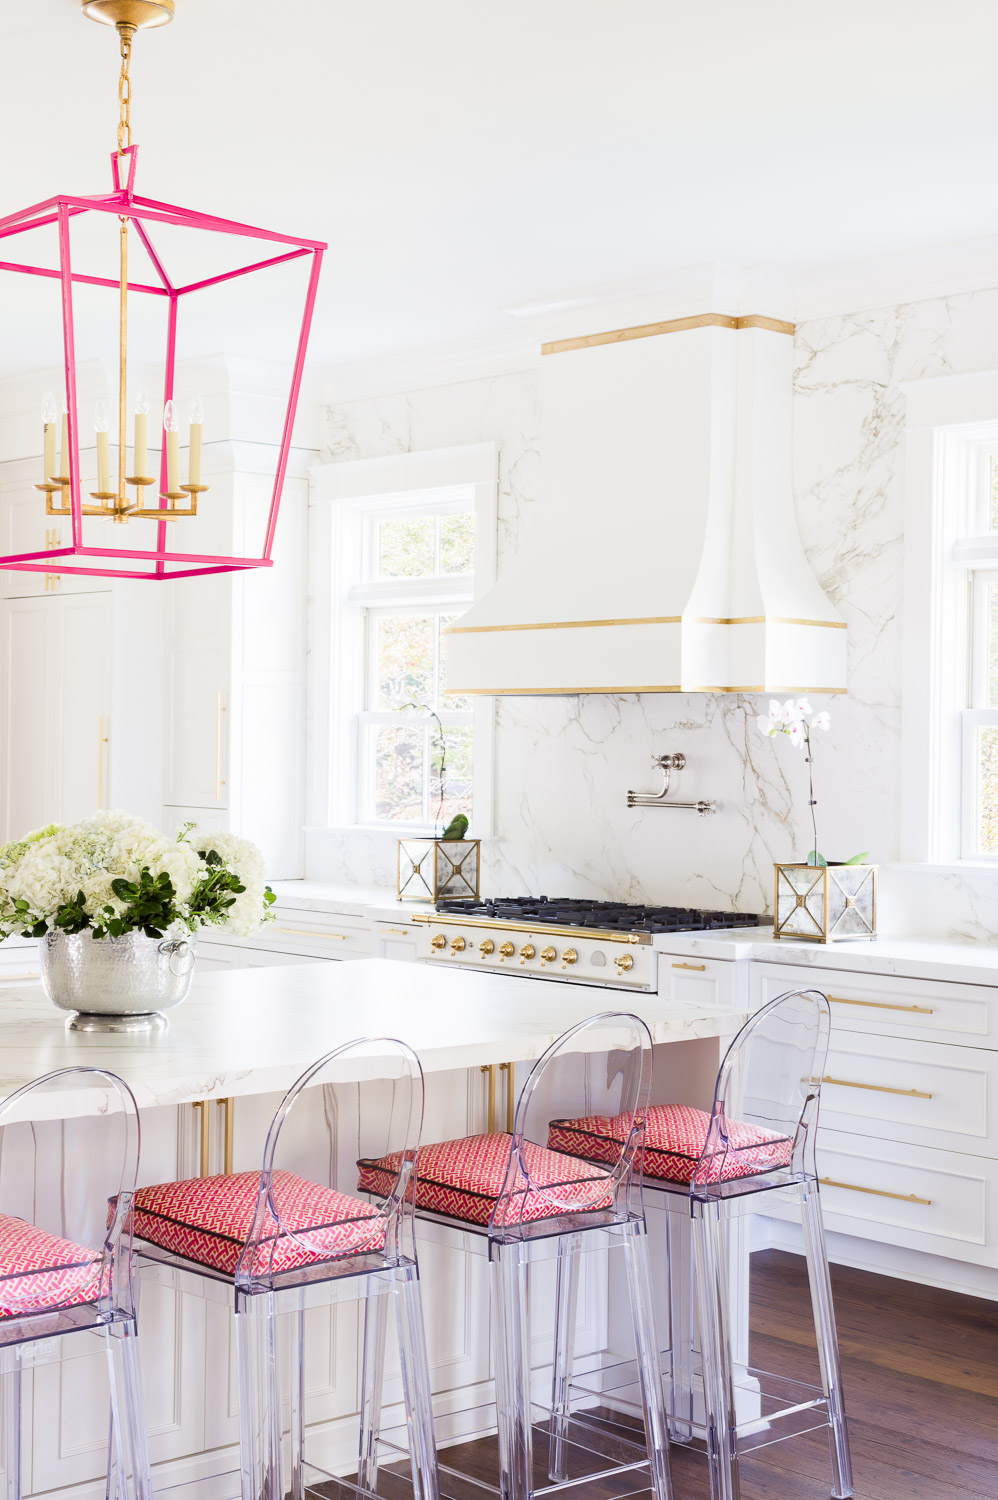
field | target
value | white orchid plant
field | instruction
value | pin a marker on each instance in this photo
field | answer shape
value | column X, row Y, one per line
column 796, row 719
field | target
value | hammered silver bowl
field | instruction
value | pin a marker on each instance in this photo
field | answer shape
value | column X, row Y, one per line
column 116, row 984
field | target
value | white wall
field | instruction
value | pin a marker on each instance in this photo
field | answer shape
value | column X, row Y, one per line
column 564, row 764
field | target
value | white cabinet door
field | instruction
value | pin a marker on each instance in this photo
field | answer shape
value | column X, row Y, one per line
column 197, row 686
column 56, row 723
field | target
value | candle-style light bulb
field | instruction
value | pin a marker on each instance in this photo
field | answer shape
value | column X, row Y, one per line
column 63, row 474
column 196, row 420
column 49, row 414
column 103, row 448
column 141, row 458
column 170, row 427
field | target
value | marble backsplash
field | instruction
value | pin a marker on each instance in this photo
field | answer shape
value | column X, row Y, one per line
column 564, row 765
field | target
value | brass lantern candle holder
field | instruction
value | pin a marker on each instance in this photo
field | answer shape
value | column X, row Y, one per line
column 437, row 869
column 825, row 903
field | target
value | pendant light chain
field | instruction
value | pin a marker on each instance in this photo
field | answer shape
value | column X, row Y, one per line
column 125, row 89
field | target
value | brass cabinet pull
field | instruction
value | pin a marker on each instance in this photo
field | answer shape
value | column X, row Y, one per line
column 101, row 742
column 876, row 1088
column 853, row 1187
column 219, row 711
column 490, row 1108
column 396, row 931
column 202, row 1106
column 921, row 1010
column 306, row 932
column 699, row 967
column 490, row 1116
column 228, row 1125
column 507, row 1068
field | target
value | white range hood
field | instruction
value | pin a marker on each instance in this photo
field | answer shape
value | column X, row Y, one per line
column 663, row 554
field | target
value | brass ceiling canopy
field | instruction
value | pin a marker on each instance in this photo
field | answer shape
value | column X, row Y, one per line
column 138, row 15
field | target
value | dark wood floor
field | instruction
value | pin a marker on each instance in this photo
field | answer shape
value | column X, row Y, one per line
column 920, row 1369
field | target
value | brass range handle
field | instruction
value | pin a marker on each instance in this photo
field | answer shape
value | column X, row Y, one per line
column 854, row 1187
column 101, row 742
column 876, row 1088
column 920, row 1010
column 219, row 711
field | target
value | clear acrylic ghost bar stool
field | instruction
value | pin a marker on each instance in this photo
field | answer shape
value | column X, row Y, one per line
column 285, row 1240
column 758, row 1139
column 69, row 1145
column 508, row 1198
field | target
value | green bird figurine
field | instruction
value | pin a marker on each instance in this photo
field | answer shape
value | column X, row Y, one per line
column 456, row 828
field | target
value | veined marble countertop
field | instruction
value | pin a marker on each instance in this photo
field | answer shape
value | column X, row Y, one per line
column 348, row 900
column 909, row 958
column 254, row 1031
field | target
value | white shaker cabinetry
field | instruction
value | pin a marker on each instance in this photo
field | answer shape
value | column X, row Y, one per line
column 235, row 658
column 56, row 737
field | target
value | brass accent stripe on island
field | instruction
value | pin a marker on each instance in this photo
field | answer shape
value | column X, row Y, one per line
column 580, row 692
column 671, row 325
column 455, row 919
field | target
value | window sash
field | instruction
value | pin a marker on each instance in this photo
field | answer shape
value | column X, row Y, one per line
column 973, row 719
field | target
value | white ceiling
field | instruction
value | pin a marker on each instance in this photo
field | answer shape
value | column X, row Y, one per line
column 467, row 156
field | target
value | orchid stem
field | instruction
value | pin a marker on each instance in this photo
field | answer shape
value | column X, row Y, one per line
column 811, row 801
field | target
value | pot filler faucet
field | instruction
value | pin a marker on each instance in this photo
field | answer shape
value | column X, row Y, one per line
column 667, row 764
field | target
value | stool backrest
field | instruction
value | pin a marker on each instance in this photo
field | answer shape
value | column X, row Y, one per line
column 606, row 1059
column 303, row 1229
column 766, row 1097
column 69, row 1153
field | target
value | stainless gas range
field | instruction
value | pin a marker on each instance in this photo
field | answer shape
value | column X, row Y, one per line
column 580, row 942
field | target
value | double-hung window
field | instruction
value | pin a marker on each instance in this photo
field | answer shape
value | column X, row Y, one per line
column 402, row 545
column 977, row 552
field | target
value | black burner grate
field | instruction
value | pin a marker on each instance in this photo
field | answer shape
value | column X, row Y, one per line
column 608, row 916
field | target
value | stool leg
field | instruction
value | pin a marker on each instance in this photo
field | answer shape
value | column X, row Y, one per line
column 10, row 1431
column 827, row 1336
column 566, row 1302
column 129, row 1472
column 679, row 1273
column 647, row 1349
column 715, row 1348
column 416, row 1383
column 296, row 1332
column 372, row 1381
column 259, row 1408
column 509, row 1303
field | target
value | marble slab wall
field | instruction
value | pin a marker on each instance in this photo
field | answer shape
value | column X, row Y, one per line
column 564, row 765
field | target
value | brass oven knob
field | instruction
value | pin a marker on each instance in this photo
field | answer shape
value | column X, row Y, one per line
column 506, row 950
column 439, row 941
column 548, row 955
column 569, row 957
column 527, row 951
column 625, row 962
column 457, row 945
column 487, row 947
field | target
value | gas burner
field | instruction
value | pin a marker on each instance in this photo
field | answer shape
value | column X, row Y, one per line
column 606, row 916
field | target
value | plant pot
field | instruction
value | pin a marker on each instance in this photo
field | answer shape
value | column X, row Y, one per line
column 431, row 869
column 116, row 984
column 825, row 903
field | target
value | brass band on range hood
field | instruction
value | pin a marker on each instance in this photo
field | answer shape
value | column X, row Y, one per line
column 453, row 919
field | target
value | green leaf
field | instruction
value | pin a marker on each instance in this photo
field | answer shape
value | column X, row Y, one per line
column 814, row 858
column 857, row 859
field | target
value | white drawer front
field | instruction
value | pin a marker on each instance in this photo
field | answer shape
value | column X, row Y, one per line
column 938, row 1201
column 915, row 1091
column 886, row 1005
column 704, row 981
column 325, row 936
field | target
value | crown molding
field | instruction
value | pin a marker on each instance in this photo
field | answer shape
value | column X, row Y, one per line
column 419, row 369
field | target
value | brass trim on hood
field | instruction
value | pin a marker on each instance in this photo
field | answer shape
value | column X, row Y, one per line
column 672, row 325
column 578, row 692
column 648, row 620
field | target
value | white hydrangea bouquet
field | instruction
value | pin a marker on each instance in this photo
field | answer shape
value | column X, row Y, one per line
column 112, row 874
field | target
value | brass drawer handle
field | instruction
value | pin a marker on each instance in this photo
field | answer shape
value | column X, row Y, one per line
column 398, row 931
column 853, row 1187
column 205, row 1141
column 921, row 1010
column 228, row 1125
column 699, row 967
column 876, row 1088
column 304, row 932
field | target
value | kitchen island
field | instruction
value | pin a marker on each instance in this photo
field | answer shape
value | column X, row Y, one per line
column 244, row 1036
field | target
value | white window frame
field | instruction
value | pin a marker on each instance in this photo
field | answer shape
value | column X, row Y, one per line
column 343, row 497
column 951, row 434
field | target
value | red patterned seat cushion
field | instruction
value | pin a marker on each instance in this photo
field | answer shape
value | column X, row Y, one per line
column 464, row 1179
column 209, row 1219
column 40, row 1271
column 675, row 1135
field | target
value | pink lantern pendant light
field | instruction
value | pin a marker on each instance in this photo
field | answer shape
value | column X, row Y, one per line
column 125, row 499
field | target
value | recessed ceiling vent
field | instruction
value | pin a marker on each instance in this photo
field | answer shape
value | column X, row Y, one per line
column 663, row 554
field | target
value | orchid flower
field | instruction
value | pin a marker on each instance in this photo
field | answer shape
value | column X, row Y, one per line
column 821, row 721
column 791, row 718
